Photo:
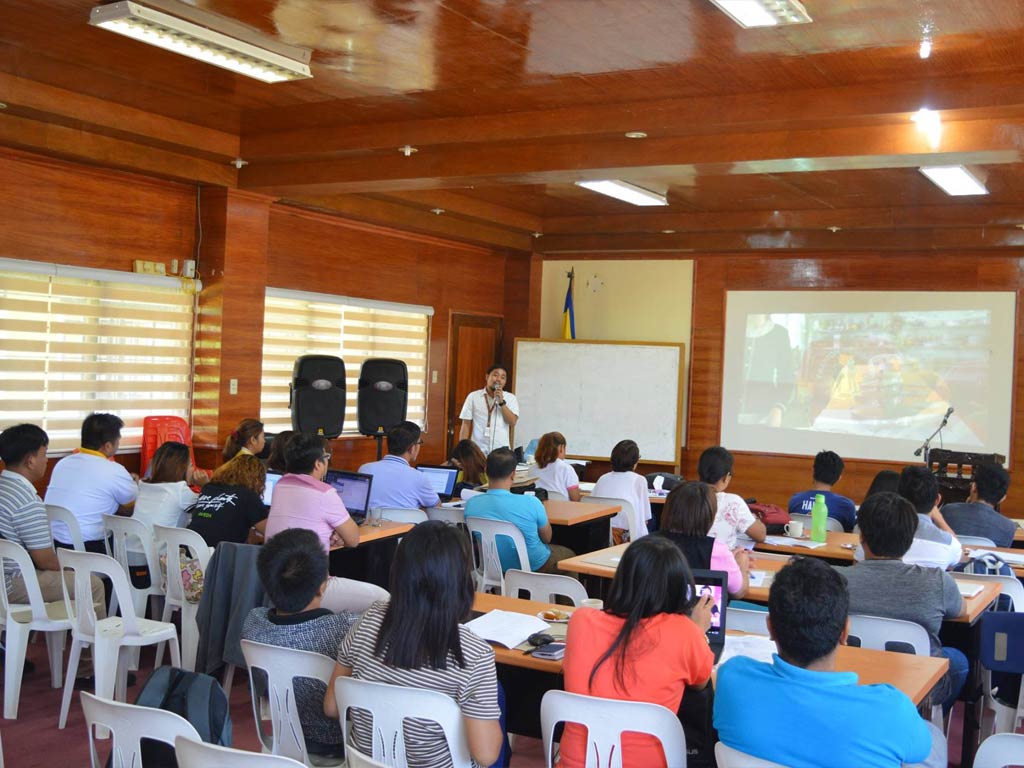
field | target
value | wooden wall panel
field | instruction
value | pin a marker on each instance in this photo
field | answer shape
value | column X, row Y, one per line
column 774, row 478
column 522, row 302
column 66, row 213
column 314, row 252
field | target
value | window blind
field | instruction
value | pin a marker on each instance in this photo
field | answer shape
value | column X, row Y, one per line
column 298, row 324
column 71, row 346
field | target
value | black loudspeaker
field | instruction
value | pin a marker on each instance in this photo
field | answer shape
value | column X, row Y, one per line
column 317, row 395
column 383, row 395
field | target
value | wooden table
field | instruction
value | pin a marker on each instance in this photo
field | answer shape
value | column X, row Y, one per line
column 833, row 549
column 576, row 512
column 386, row 530
column 578, row 526
column 1018, row 535
column 371, row 560
column 914, row 675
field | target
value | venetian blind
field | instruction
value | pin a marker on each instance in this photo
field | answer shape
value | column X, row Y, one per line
column 297, row 323
column 75, row 342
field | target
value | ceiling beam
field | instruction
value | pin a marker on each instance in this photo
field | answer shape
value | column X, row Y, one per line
column 469, row 207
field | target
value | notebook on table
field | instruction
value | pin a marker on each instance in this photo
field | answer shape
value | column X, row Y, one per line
column 354, row 490
column 442, row 479
column 715, row 582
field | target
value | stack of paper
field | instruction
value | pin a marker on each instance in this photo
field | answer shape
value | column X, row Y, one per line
column 755, row 646
column 789, row 541
column 506, row 628
column 969, row 588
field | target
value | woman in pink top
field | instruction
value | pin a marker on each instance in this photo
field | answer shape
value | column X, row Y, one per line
column 686, row 520
column 302, row 500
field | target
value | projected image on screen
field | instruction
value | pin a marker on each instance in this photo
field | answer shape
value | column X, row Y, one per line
column 874, row 379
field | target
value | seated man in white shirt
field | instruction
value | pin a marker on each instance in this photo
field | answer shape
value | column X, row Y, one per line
column 395, row 482
column 91, row 484
column 935, row 544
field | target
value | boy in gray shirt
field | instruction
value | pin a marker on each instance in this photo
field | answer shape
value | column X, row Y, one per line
column 884, row 585
column 977, row 516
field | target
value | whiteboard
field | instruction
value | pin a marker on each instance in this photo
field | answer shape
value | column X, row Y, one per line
column 598, row 393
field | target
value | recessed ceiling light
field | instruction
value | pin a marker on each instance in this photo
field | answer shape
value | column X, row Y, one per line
column 623, row 190
column 407, row 150
column 833, row 229
column 764, row 13
column 239, row 163
column 929, row 122
column 437, row 211
column 2, row 105
column 954, row 180
column 203, row 43
column 538, row 234
column 668, row 231
column 926, row 49
column 636, row 135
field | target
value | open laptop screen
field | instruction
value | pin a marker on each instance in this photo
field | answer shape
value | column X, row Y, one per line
column 442, row 479
column 353, row 488
column 268, row 488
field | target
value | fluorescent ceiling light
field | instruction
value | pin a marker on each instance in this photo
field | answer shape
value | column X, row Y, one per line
column 198, row 42
column 954, row 180
column 764, row 13
column 623, row 190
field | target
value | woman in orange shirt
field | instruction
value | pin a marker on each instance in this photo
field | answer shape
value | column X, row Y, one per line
column 648, row 644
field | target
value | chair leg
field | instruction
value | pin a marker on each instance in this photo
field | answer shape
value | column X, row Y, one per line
column 69, row 681
column 55, row 650
column 14, row 666
column 105, row 659
column 175, row 652
column 189, row 637
column 168, row 612
column 229, row 676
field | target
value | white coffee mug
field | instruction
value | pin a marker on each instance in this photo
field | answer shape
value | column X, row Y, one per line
column 795, row 528
column 592, row 602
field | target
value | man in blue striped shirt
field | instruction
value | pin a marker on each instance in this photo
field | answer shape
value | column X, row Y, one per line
column 395, row 482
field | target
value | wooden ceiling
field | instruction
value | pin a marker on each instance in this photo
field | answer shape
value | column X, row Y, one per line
column 774, row 140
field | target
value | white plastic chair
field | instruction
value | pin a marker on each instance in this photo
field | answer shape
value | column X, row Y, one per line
column 543, row 586
column 199, row 754
column 556, row 495
column 282, row 666
column 1000, row 750
column 121, row 529
column 488, row 563
column 744, row 620
column 605, row 721
column 831, row 524
column 390, row 705
column 57, row 514
column 880, row 633
column 636, row 529
column 173, row 540
column 401, row 515
column 727, row 757
column 448, row 515
column 357, row 759
column 129, row 724
column 19, row 620
column 112, row 638
column 975, row 541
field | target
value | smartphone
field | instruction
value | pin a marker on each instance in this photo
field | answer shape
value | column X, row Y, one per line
column 551, row 651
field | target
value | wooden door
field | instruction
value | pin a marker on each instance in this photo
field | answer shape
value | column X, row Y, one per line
column 474, row 345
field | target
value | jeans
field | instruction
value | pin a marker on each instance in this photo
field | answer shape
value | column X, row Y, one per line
column 957, row 676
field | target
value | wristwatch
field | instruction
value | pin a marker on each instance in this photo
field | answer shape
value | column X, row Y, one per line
column 501, row 403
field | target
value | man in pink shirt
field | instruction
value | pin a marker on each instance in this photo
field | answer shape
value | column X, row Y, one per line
column 302, row 500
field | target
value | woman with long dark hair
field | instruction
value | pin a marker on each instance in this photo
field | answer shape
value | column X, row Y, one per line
column 553, row 472
column 648, row 644
column 686, row 521
column 467, row 456
column 247, row 437
column 417, row 640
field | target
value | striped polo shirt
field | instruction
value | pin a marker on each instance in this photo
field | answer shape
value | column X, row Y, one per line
column 22, row 518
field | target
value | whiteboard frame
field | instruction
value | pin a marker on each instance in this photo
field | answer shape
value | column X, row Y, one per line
column 679, row 387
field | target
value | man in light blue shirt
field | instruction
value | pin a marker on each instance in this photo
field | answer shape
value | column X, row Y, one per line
column 395, row 482
column 526, row 513
column 840, row 724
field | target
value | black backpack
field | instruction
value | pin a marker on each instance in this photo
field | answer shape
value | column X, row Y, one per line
column 196, row 697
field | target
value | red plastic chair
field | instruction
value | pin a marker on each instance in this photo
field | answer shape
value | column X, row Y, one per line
column 157, row 430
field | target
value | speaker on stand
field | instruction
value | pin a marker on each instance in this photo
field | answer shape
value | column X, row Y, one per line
column 317, row 395
column 383, row 398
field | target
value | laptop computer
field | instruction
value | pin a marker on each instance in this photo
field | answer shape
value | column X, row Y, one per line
column 268, row 488
column 354, row 490
column 717, row 583
column 442, row 479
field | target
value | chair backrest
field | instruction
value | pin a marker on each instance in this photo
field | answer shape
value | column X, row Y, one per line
column 744, row 620
column 84, row 564
column 1009, row 586
column 543, row 586
column 173, row 539
column 199, row 754
column 448, row 514
column 1000, row 750
column 882, row 634
column 727, row 757
column 556, row 495
column 157, row 430
column 121, row 529
column 831, row 524
column 627, row 511
column 11, row 550
column 400, row 515
column 489, row 565
column 390, row 705
column 282, row 666
column 1001, row 641
column 606, row 720
column 56, row 514
column 357, row 759
column 975, row 541
column 129, row 724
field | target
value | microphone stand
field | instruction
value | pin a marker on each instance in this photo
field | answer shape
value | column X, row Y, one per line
column 926, row 446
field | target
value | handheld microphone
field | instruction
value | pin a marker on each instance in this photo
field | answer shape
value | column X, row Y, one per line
column 949, row 412
column 918, row 451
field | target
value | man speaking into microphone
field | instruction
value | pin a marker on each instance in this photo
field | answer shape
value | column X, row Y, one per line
column 488, row 413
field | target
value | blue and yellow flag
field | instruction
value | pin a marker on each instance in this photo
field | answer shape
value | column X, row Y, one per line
column 568, row 316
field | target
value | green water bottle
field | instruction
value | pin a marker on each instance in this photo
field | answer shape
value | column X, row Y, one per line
column 819, row 514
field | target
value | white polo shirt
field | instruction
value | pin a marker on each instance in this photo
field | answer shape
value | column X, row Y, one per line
column 90, row 485
column 490, row 430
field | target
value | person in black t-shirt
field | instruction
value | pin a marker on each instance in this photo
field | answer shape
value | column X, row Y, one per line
column 230, row 506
